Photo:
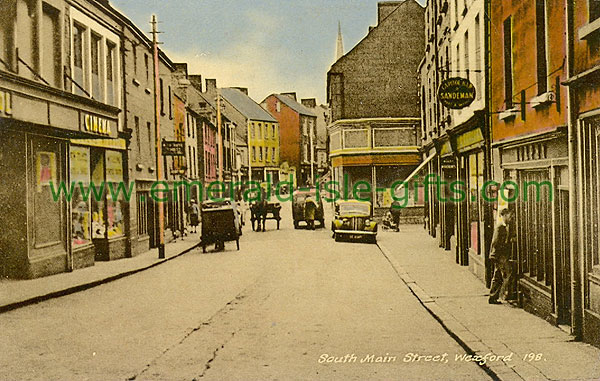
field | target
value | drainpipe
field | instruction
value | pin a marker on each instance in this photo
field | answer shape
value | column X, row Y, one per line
column 574, row 244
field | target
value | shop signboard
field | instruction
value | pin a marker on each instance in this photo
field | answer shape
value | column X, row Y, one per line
column 173, row 148
column 456, row 93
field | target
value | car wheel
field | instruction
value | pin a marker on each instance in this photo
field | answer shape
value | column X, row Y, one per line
column 337, row 237
column 296, row 224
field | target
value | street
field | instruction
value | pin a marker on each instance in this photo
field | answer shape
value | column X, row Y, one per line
column 291, row 304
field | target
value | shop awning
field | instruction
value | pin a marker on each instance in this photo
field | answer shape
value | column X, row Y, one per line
column 418, row 169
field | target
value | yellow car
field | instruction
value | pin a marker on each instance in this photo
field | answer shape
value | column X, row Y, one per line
column 353, row 219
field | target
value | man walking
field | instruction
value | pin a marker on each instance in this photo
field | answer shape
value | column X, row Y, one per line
column 500, row 255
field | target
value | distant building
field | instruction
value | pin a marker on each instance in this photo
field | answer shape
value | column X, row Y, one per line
column 259, row 131
column 373, row 96
column 298, row 134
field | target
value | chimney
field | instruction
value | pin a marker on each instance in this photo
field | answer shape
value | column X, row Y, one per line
column 242, row 89
column 384, row 9
column 290, row 95
column 181, row 68
column 196, row 80
column 309, row 102
column 211, row 86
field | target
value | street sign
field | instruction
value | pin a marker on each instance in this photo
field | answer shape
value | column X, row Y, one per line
column 173, row 148
column 456, row 93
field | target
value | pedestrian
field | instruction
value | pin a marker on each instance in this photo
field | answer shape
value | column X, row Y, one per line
column 194, row 216
column 395, row 211
column 310, row 209
column 500, row 254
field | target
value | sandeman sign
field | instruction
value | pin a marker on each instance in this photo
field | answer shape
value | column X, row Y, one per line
column 456, row 93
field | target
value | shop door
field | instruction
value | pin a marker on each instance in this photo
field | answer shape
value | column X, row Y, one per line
column 47, row 210
column 448, row 207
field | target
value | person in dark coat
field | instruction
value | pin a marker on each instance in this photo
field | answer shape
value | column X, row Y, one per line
column 500, row 254
column 310, row 210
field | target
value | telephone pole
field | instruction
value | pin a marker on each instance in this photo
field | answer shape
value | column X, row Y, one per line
column 159, row 169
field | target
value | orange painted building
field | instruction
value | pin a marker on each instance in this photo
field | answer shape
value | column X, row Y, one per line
column 583, row 84
column 529, row 142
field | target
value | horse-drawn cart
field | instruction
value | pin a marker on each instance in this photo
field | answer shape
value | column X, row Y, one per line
column 220, row 224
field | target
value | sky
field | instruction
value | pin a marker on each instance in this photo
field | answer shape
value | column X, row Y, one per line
column 268, row 46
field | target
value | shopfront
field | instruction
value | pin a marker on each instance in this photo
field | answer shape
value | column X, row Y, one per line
column 46, row 229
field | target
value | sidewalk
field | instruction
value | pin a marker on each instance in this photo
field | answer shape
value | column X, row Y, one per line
column 19, row 293
column 458, row 299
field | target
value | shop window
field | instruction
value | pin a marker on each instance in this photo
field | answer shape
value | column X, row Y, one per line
column 81, row 221
column 47, row 214
column 474, row 164
column 98, row 194
column 115, row 201
column 142, row 213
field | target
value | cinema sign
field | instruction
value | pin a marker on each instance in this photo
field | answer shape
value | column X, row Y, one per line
column 456, row 93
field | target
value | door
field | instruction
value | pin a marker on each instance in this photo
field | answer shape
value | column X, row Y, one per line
column 563, row 261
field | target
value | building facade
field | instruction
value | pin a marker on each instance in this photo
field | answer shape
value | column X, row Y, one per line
column 582, row 267
column 61, row 122
column 298, row 136
column 260, row 137
column 374, row 129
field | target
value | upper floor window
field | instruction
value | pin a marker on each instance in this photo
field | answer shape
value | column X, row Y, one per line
column 78, row 57
column 162, row 96
column 273, row 127
column 541, row 39
column 594, row 6
column 7, row 26
column 147, row 66
column 508, row 64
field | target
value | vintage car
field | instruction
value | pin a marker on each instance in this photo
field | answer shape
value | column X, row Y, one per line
column 220, row 223
column 353, row 219
column 298, row 202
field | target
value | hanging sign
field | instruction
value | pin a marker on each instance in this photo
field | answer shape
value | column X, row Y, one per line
column 456, row 93
column 173, row 148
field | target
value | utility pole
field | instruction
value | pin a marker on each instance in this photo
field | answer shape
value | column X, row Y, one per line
column 159, row 169
column 219, row 138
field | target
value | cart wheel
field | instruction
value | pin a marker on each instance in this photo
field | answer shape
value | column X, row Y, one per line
column 237, row 242
column 204, row 248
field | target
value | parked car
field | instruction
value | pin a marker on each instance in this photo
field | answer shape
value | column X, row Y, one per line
column 298, row 202
column 353, row 219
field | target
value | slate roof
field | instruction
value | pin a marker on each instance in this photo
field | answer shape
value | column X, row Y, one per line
column 246, row 106
column 291, row 103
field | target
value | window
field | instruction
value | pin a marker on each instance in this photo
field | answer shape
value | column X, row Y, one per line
column 7, row 9
column 478, row 49
column 170, row 106
column 273, row 127
column 50, row 68
column 134, row 52
column 162, row 96
column 149, row 127
column 28, row 35
column 278, row 106
column 80, row 208
column 110, row 73
column 273, row 154
column 260, row 153
column 260, row 132
column 253, row 153
column 466, row 48
column 594, row 9
column 78, row 58
column 142, row 213
column 508, row 74
column 95, row 66
column 137, row 133
column 147, row 65
column 540, row 34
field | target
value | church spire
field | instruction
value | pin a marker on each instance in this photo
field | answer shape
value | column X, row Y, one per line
column 339, row 51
